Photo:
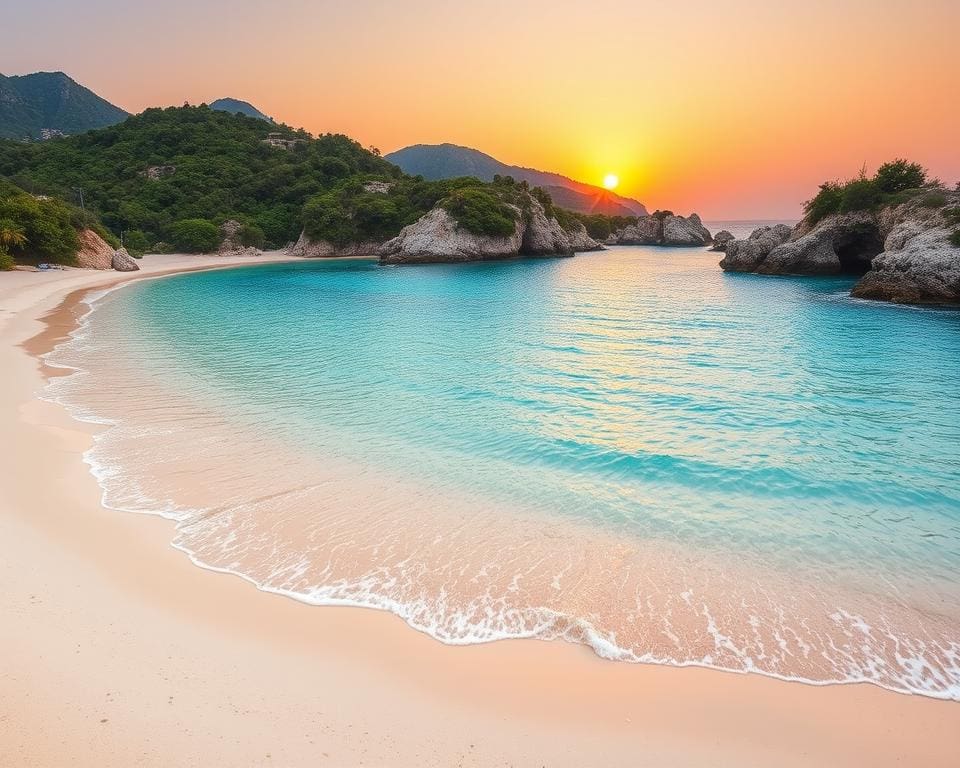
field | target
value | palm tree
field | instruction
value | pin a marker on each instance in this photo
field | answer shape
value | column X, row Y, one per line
column 11, row 236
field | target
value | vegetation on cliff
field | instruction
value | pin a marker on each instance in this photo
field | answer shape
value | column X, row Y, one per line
column 896, row 181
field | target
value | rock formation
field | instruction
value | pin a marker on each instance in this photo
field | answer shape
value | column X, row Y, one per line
column 95, row 252
column 436, row 237
column 746, row 255
column 721, row 239
column 231, row 244
column 663, row 228
column 902, row 252
column 124, row 262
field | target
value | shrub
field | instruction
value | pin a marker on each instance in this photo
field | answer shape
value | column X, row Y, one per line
column 899, row 175
column 825, row 203
column 46, row 226
column 952, row 215
column 195, row 236
column 136, row 242
column 481, row 212
column 955, row 238
column 251, row 236
column 6, row 261
column 934, row 199
column 860, row 195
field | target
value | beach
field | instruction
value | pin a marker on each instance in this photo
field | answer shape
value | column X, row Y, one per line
column 116, row 650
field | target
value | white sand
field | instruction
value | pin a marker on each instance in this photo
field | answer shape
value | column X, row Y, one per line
column 116, row 651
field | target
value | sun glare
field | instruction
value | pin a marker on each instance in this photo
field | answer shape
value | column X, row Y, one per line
column 611, row 180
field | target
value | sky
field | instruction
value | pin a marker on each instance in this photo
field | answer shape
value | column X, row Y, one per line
column 735, row 110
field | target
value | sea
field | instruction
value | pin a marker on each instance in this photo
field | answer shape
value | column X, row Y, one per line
column 628, row 449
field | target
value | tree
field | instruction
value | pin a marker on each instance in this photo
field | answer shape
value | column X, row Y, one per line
column 899, row 175
column 195, row 236
column 11, row 235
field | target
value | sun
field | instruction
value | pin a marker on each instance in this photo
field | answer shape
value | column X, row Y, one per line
column 611, row 180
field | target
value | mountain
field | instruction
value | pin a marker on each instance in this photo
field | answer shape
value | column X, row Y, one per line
column 243, row 107
column 446, row 161
column 50, row 103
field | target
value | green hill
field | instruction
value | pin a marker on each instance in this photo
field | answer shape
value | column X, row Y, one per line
column 29, row 104
column 167, row 165
column 243, row 107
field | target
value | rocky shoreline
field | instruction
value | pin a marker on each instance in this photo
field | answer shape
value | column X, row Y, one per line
column 902, row 253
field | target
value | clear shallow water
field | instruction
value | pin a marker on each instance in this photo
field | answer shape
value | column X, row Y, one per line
column 629, row 449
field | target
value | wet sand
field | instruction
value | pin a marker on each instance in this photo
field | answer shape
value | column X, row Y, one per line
column 115, row 650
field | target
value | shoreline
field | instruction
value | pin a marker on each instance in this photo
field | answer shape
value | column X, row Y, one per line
column 114, row 626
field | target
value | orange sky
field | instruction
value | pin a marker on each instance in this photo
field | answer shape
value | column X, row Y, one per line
column 735, row 110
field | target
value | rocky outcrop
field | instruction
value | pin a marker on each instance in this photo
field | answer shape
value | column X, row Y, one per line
column 231, row 243
column 124, row 262
column 663, row 228
column 322, row 249
column 746, row 255
column 95, row 252
column 902, row 253
column 839, row 244
column 436, row 238
column 721, row 239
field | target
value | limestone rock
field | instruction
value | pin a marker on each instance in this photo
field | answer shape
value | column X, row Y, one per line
column 95, row 252
column 124, row 262
column 437, row 238
column 902, row 251
column 665, row 228
column 746, row 255
column 721, row 239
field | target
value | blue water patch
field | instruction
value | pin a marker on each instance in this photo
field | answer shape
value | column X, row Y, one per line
column 639, row 389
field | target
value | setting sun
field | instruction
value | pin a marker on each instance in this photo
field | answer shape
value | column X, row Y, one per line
column 611, row 180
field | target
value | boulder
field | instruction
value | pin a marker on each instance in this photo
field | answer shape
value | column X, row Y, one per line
column 680, row 231
column 124, row 262
column 95, row 252
column 543, row 235
column 721, row 239
column 436, row 238
column 746, row 255
column 647, row 231
column 580, row 240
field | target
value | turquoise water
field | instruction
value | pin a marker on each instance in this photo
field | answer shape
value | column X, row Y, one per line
column 797, row 450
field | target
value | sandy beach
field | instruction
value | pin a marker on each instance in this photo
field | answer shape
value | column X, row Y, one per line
column 115, row 650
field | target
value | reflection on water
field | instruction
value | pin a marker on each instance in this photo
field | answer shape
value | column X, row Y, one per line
column 630, row 449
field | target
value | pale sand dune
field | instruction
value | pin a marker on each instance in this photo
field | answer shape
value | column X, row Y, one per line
column 116, row 651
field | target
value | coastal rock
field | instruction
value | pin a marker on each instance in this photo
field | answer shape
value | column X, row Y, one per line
column 746, row 255
column 680, row 231
column 664, row 228
column 95, row 252
column 902, row 252
column 322, row 249
column 437, row 238
column 648, row 230
column 230, row 243
column 844, row 243
column 721, row 239
column 124, row 262
column 580, row 240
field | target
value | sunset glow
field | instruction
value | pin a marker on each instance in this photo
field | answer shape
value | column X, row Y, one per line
column 731, row 115
column 611, row 181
